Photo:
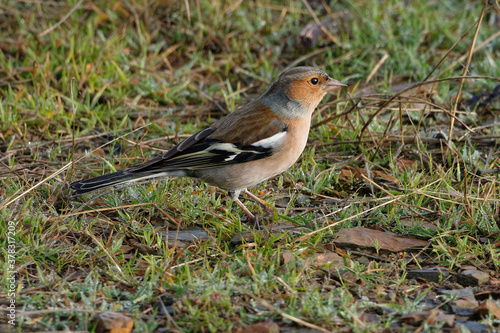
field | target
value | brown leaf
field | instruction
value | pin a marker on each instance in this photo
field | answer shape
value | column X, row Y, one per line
column 287, row 257
column 381, row 176
column 430, row 317
column 403, row 165
column 142, row 248
column 368, row 317
column 126, row 248
column 113, row 322
column 368, row 238
column 261, row 327
column 448, row 319
column 415, row 318
column 487, row 307
column 330, row 260
column 349, row 172
column 99, row 152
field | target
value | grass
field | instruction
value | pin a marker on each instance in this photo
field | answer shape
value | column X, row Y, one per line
column 115, row 82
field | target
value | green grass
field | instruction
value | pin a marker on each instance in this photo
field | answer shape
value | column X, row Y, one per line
column 144, row 75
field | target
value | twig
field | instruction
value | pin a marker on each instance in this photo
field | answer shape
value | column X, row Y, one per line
column 381, row 108
column 73, row 129
column 377, row 67
column 333, row 38
column 62, row 20
column 464, row 75
column 449, row 51
column 479, row 47
column 169, row 317
column 287, row 287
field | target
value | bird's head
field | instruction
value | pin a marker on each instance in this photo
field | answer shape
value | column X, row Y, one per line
column 298, row 91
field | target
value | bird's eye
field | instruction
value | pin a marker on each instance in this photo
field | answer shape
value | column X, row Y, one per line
column 314, row 80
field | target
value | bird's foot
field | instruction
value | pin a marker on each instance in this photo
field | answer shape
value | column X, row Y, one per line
column 253, row 221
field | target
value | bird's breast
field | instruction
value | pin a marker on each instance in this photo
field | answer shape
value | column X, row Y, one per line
column 243, row 175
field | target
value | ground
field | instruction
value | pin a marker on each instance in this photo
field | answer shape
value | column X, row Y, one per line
column 388, row 222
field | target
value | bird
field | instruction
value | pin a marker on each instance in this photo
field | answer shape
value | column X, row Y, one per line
column 255, row 142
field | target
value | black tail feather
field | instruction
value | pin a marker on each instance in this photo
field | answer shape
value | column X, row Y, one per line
column 92, row 184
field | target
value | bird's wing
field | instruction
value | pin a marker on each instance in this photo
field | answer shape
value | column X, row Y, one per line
column 235, row 139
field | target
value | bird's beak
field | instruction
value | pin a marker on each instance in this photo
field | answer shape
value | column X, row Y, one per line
column 332, row 85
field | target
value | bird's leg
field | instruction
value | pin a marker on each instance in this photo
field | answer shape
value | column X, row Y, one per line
column 234, row 194
column 252, row 219
column 265, row 206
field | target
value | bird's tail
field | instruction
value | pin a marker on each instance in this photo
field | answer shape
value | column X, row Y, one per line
column 92, row 184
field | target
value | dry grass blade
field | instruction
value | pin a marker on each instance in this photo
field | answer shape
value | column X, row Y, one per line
column 466, row 70
column 394, row 199
column 65, row 17
column 382, row 107
column 193, row 261
column 287, row 287
column 377, row 67
column 449, row 51
column 483, row 44
column 109, row 67
column 8, row 202
column 169, row 317
column 169, row 217
column 328, row 33
column 285, row 315
column 308, row 235
column 115, row 264
column 497, row 6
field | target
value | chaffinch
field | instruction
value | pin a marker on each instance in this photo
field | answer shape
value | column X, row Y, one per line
column 257, row 141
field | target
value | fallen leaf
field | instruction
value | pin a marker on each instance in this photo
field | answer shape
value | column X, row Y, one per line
column 487, row 307
column 328, row 260
column 99, row 152
column 369, row 318
column 406, row 165
column 142, row 248
column 430, row 317
column 287, row 257
column 261, row 327
column 415, row 318
column 349, row 172
column 126, row 248
column 441, row 317
column 113, row 322
column 381, row 176
column 369, row 238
